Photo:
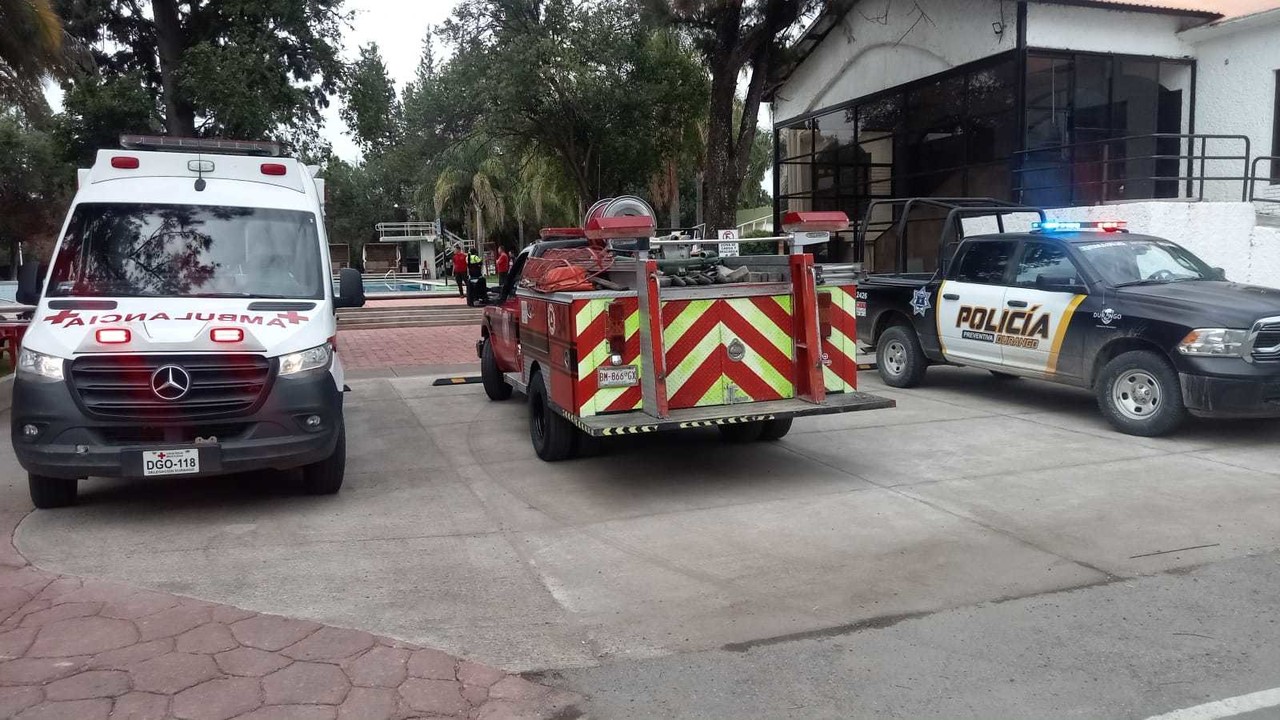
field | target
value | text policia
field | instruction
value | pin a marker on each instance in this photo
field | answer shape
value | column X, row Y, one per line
column 1017, row 328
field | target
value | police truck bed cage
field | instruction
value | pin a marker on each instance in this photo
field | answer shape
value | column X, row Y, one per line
column 213, row 146
column 956, row 208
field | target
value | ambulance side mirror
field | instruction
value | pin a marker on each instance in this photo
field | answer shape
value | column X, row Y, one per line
column 350, row 289
column 30, row 283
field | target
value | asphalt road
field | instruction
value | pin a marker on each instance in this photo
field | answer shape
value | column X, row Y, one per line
column 985, row 549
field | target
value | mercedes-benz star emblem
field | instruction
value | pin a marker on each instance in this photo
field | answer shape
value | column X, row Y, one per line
column 170, row 382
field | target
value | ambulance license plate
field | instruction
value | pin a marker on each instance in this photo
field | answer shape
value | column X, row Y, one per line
column 615, row 377
column 170, row 462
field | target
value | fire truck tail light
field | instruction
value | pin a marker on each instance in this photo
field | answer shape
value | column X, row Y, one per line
column 113, row 336
column 817, row 221
column 226, row 335
column 124, row 162
column 274, row 169
column 617, row 331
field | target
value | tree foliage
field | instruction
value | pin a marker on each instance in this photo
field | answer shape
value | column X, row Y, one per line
column 744, row 38
column 250, row 69
column 371, row 108
column 33, row 46
column 35, row 185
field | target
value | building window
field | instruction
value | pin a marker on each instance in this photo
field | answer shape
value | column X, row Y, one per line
column 1091, row 128
column 950, row 134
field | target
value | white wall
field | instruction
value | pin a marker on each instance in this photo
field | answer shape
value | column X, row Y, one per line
column 869, row 52
column 1223, row 234
column 1236, row 82
column 1092, row 29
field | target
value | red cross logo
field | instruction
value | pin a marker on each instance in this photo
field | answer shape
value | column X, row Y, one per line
column 293, row 317
column 62, row 316
column 161, row 456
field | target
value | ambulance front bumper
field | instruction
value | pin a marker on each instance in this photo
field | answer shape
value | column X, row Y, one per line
column 635, row 423
column 72, row 444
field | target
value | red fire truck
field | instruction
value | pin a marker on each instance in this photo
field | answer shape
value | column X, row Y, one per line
column 608, row 330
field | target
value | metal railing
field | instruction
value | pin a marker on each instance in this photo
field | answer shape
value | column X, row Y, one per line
column 1271, row 178
column 1140, row 170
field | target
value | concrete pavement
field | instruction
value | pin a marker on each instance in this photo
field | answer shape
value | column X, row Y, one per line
column 653, row 555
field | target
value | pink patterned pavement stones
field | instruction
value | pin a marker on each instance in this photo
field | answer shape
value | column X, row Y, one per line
column 73, row 648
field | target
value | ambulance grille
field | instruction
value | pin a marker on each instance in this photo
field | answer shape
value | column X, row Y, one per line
column 120, row 386
column 1266, row 346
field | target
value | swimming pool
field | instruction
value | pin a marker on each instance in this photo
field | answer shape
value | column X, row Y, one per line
column 400, row 287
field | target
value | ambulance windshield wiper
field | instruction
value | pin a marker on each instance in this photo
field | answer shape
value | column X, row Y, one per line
column 250, row 296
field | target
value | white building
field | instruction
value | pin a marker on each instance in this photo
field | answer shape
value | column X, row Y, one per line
column 1046, row 102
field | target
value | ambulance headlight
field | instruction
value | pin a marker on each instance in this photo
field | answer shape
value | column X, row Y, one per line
column 1214, row 342
column 38, row 366
column 316, row 358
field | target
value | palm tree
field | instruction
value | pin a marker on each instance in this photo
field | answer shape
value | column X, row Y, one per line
column 33, row 46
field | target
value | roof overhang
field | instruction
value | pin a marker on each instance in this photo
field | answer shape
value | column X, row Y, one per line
column 1231, row 26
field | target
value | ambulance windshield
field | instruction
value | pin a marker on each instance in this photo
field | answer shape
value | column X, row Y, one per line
column 148, row 250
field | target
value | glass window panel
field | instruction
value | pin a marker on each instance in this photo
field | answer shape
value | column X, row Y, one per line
column 796, row 142
column 1048, row 82
column 835, row 132
column 985, row 262
column 1043, row 264
column 795, row 178
column 993, row 89
column 992, row 137
column 880, row 117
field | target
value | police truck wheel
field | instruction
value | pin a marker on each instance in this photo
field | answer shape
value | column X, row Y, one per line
column 1139, row 394
column 51, row 492
column 554, row 438
column 325, row 477
column 775, row 429
column 494, row 385
column 899, row 357
column 742, row 432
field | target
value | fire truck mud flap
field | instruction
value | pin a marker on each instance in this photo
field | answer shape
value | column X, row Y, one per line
column 638, row 423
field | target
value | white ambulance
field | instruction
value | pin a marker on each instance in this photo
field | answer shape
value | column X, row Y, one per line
column 186, row 324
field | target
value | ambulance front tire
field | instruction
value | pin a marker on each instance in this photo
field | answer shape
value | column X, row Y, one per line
column 325, row 477
column 494, row 385
column 52, row 492
column 1139, row 393
column 899, row 357
column 554, row 438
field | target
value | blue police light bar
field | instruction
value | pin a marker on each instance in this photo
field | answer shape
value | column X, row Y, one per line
column 1069, row 225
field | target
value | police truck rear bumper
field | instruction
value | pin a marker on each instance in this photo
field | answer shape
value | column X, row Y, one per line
column 71, row 444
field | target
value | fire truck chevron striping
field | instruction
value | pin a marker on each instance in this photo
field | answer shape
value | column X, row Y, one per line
column 755, row 342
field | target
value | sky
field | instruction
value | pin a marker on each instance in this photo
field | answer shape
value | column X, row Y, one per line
column 399, row 28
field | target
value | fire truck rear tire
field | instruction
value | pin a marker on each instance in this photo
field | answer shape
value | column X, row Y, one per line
column 742, row 432
column 554, row 438
column 494, row 385
column 899, row 357
column 775, row 429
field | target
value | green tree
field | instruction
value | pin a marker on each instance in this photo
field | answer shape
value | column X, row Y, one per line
column 371, row 108
column 35, row 185
column 736, row 38
column 33, row 46
column 241, row 68
column 584, row 83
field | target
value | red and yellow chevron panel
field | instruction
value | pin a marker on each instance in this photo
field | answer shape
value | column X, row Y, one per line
column 840, row 373
column 591, row 322
column 728, row 351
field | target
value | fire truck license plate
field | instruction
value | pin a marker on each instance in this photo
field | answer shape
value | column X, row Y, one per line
column 613, row 377
column 170, row 462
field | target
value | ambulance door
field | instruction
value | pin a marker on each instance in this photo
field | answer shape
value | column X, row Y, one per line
column 971, row 301
column 1042, row 300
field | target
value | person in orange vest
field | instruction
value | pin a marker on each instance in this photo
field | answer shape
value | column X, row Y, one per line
column 460, row 270
column 502, row 265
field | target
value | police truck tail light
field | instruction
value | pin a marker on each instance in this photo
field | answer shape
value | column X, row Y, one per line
column 124, row 162
column 1214, row 342
column 273, row 169
column 113, row 336
column 617, row 331
column 226, row 335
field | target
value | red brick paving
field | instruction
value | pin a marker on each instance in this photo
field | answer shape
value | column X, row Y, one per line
column 408, row 347
column 81, row 649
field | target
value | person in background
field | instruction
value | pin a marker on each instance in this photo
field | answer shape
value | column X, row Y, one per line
column 460, row 270
column 502, row 265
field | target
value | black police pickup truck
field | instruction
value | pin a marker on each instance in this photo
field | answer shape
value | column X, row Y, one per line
column 1152, row 329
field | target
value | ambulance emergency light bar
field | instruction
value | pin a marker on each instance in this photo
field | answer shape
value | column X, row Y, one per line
column 815, row 221
column 164, row 143
column 625, row 226
column 1071, row 225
